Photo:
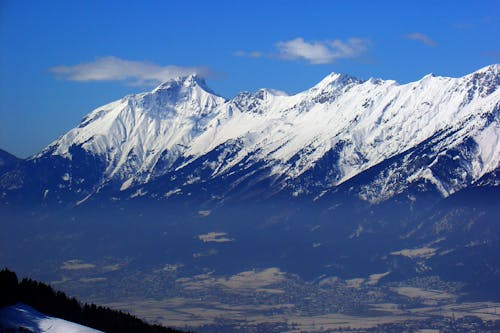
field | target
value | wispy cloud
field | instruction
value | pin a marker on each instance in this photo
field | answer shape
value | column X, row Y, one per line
column 315, row 52
column 116, row 69
column 325, row 52
column 252, row 54
column 420, row 37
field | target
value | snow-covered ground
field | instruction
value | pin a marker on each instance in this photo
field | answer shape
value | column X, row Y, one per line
column 23, row 318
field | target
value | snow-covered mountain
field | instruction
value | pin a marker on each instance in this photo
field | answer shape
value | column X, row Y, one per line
column 181, row 137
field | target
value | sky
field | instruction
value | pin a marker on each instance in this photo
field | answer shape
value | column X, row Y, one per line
column 59, row 60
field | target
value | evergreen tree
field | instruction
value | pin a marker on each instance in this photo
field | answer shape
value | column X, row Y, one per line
column 8, row 287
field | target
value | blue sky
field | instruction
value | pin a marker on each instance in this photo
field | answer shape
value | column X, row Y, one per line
column 61, row 59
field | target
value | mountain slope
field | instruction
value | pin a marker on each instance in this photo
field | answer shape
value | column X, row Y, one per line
column 181, row 137
column 7, row 161
column 21, row 317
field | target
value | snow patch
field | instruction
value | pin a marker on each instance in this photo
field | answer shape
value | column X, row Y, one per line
column 424, row 252
column 253, row 279
column 172, row 268
column 357, row 232
column 139, row 193
column 427, row 174
column 373, row 279
column 246, row 281
column 215, row 237
column 489, row 149
column 76, row 264
column 126, row 184
column 355, row 283
column 79, row 202
column 172, row 192
column 208, row 253
column 204, row 213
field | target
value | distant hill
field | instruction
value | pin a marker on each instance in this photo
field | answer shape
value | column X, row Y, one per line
column 7, row 161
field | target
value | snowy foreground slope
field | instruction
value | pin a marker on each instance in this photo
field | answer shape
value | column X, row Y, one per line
column 23, row 318
column 181, row 135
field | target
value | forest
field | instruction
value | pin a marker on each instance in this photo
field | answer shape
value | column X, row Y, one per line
column 45, row 299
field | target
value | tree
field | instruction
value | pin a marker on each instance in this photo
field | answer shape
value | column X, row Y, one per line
column 8, row 287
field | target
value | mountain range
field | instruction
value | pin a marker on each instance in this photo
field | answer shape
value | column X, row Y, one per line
column 439, row 133
column 406, row 172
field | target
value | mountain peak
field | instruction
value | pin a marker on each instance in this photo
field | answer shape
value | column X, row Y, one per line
column 187, row 82
column 337, row 80
column 484, row 81
column 494, row 68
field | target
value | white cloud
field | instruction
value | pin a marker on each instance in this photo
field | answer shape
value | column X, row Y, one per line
column 116, row 69
column 324, row 52
column 420, row 37
column 315, row 52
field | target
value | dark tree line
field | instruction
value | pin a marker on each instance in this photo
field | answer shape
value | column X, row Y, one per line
column 56, row 304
